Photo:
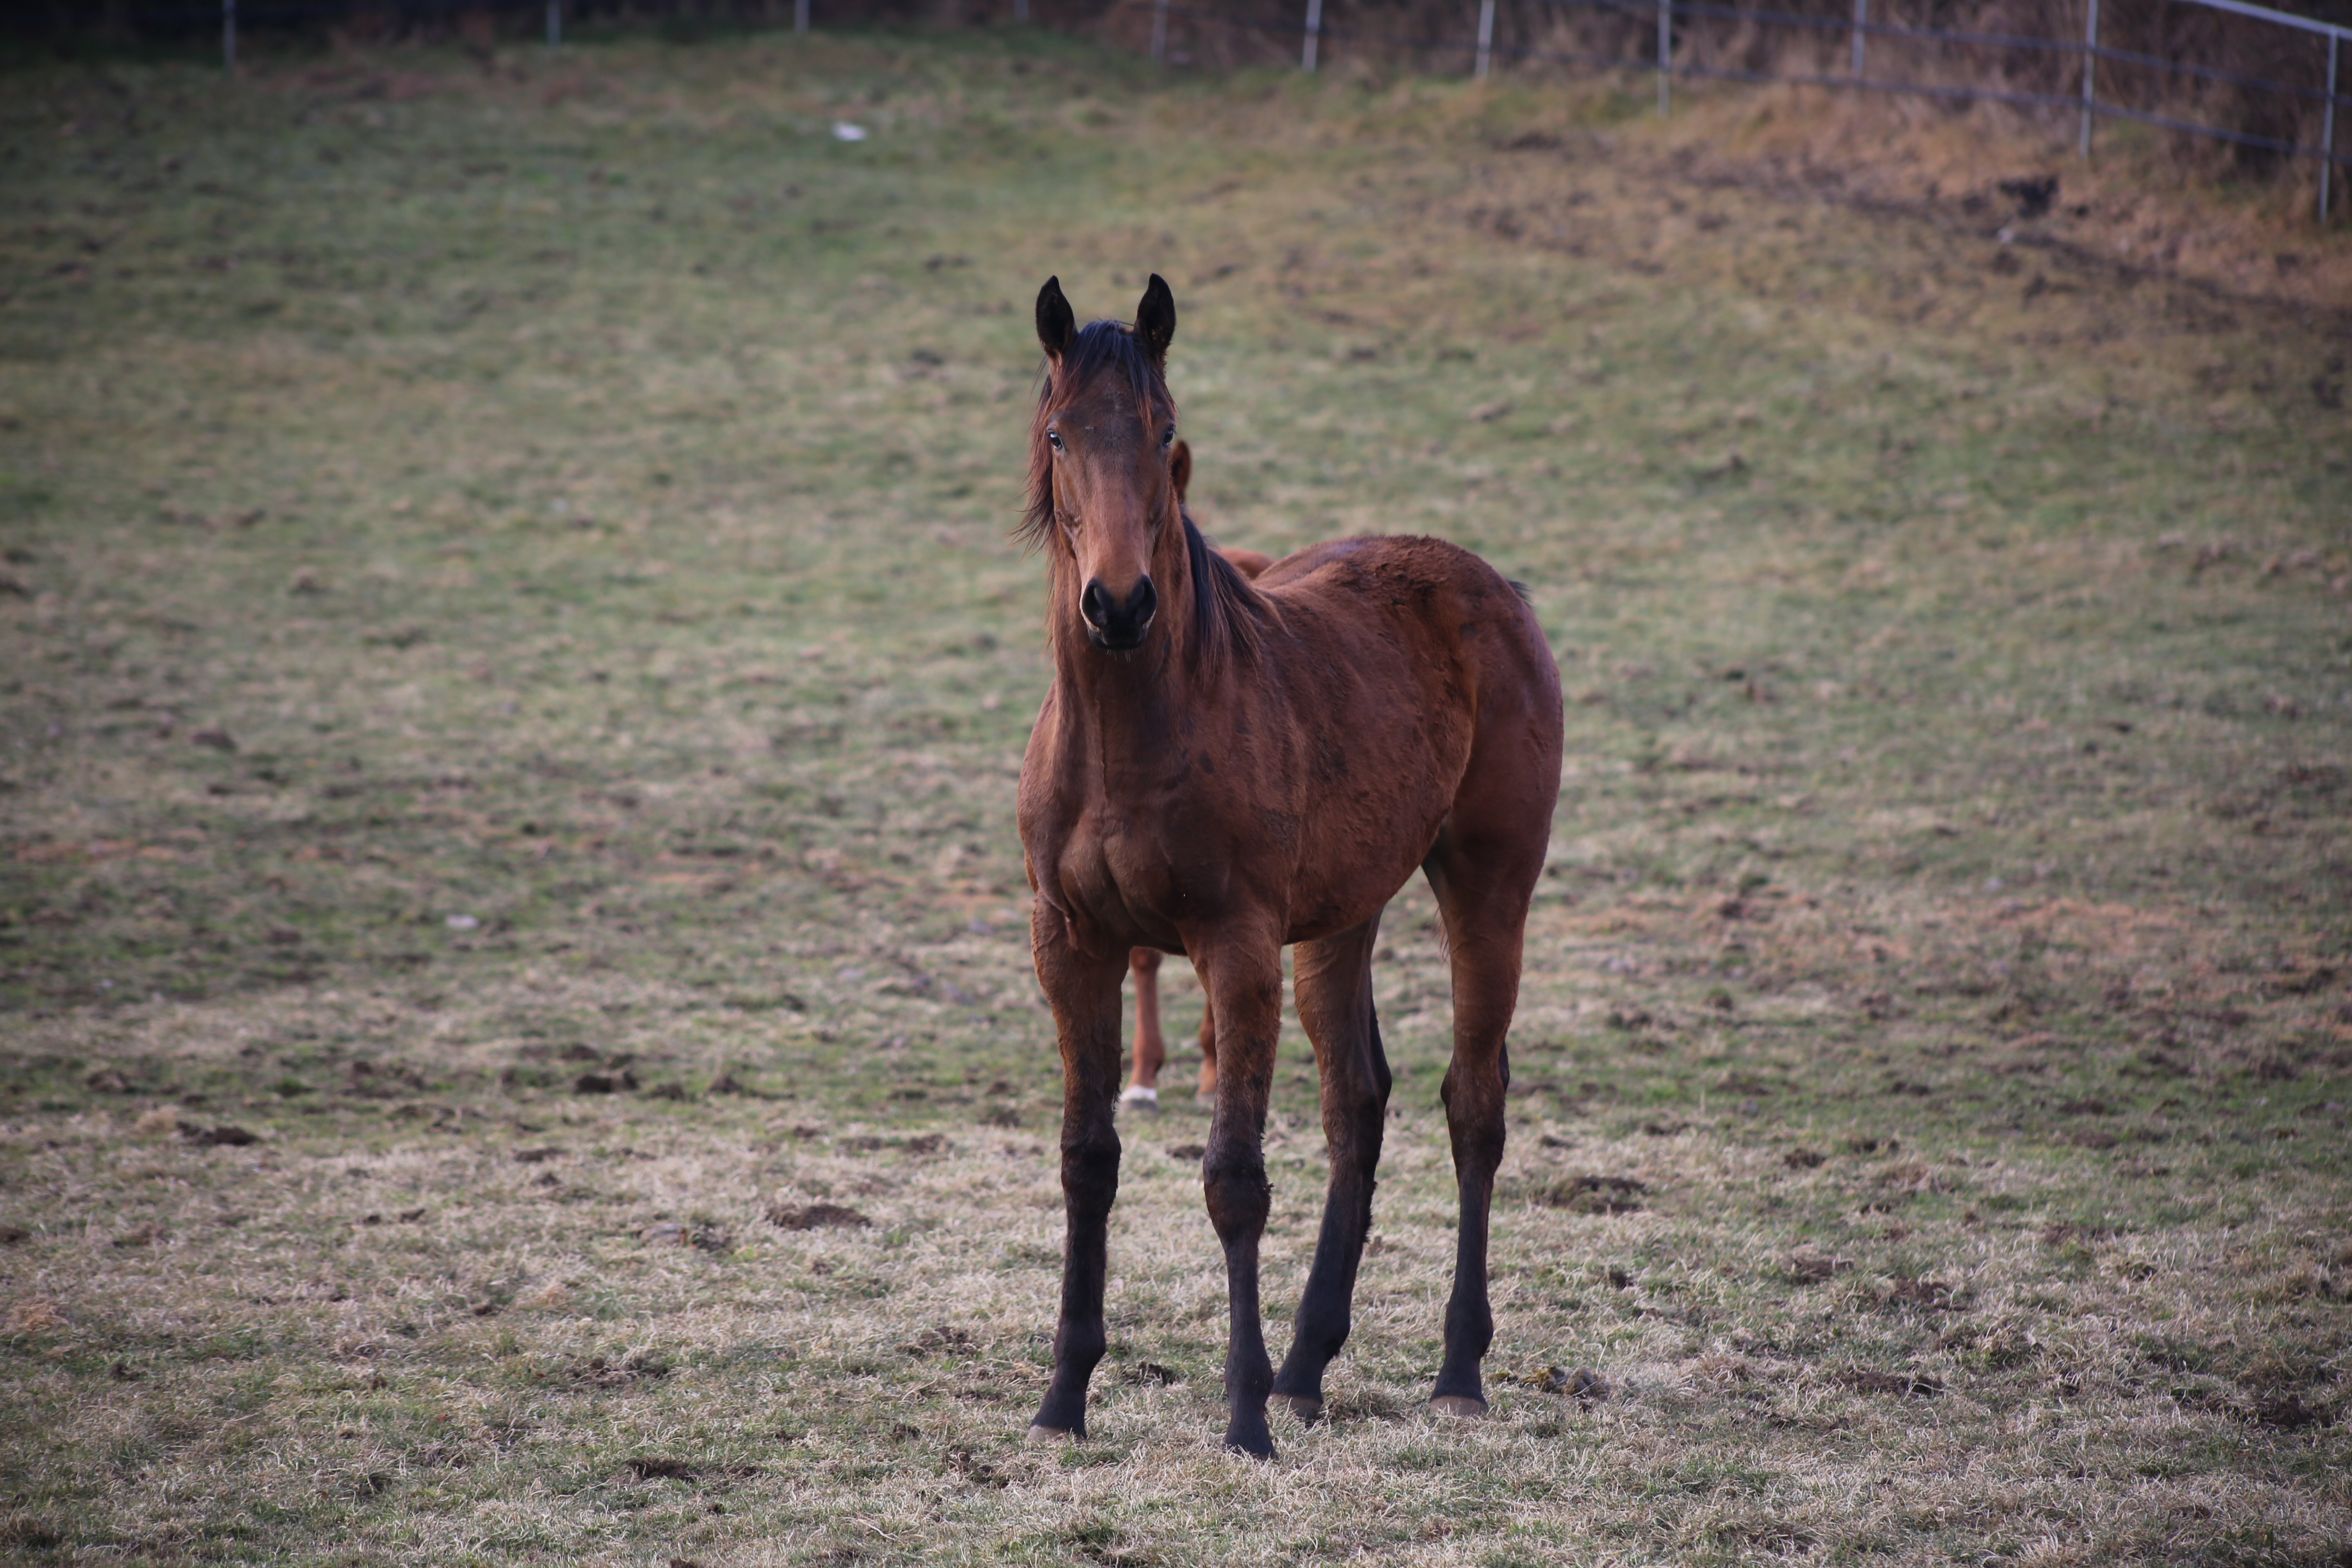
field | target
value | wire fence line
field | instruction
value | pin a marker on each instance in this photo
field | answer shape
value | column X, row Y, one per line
column 1672, row 25
column 1689, row 40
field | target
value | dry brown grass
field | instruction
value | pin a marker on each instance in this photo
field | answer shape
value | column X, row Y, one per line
column 2197, row 180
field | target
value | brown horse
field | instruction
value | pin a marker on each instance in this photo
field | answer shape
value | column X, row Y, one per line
column 1221, row 768
column 1150, row 1045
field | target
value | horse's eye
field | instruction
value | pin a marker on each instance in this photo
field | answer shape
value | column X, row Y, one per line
column 1168, row 438
column 1054, row 439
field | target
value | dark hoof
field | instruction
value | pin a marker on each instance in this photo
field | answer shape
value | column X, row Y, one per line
column 1257, row 1444
column 1052, row 1435
column 1305, row 1406
column 1458, row 1407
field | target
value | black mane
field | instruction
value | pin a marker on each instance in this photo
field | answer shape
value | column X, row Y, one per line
column 1229, row 616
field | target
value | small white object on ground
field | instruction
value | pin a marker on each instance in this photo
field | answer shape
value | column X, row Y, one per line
column 843, row 131
column 462, row 922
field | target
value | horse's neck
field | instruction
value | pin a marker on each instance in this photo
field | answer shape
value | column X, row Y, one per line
column 1124, row 710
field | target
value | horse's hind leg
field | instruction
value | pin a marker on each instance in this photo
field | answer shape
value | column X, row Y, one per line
column 1483, row 885
column 1208, row 1050
column 1083, row 990
column 1150, row 1046
column 1333, row 980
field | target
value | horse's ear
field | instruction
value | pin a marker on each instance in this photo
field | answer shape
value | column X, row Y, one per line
column 1055, row 324
column 1155, row 320
column 1180, row 469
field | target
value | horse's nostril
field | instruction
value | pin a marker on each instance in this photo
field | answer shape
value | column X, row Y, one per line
column 1116, row 625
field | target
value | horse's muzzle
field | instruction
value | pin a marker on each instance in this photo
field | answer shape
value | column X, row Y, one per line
column 1118, row 627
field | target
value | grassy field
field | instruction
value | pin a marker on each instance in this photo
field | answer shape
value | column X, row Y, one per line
column 516, row 1041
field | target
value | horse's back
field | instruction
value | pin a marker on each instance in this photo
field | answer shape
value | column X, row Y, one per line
column 1433, row 589
column 1371, row 562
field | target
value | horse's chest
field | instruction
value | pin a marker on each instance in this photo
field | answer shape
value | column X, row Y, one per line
column 1126, row 865
column 1147, row 871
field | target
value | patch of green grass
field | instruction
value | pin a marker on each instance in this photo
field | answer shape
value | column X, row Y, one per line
column 511, row 683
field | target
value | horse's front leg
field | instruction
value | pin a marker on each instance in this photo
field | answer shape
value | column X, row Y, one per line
column 1084, row 992
column 1244, row 986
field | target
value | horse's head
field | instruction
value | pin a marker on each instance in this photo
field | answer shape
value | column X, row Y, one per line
column 1101, row 486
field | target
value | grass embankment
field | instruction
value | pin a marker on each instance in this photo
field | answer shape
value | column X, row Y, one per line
column 513, row 677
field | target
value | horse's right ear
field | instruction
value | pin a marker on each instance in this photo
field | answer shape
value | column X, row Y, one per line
column 1180, row 469
column 1055, row 324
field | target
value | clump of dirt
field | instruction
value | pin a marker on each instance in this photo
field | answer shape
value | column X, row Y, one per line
column 701, row 1237
column 1906, row 1291
column 1584, row 1386
column 604, row 1372
column 223, row 1134
column 816, row 1217
column 1597, row 1194
column 1918, row 1385
column 2288, row 1413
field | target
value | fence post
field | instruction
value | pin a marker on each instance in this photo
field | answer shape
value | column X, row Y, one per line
column 1485, row 38
column 2090, row 70
column 2328, row 136
column 228, row 35
column 1860, row 21
column 800, row 16
column 1314, row 35
column 1159, row 30
column 1666, row 52
column 554, row 23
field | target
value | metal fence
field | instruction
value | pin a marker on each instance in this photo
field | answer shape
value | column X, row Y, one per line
column 1676, row 39
column 1676, row 26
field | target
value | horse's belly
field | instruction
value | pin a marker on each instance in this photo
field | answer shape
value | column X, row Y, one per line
column 1349, row 878
column 1320, row 856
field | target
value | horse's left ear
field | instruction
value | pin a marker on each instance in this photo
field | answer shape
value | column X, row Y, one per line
column 1180, row 469
column 1155, row 320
